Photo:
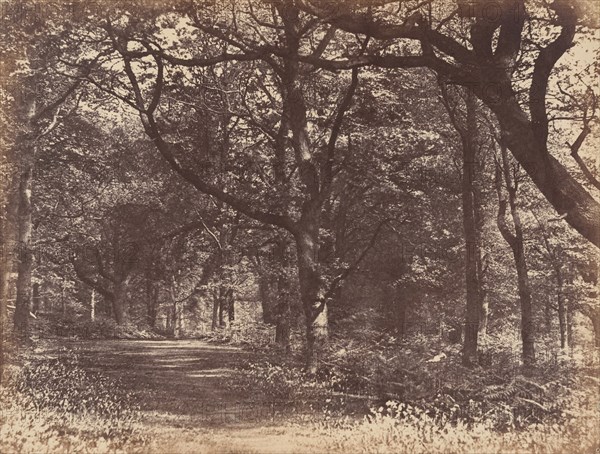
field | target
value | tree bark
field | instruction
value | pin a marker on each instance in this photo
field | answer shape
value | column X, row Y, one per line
column 215, row 311
column 562, row 309
column 400, row 309
column 315, row 307
column 264, row 291
column 119, row 302
column 487, row 69
column 93, row 305
column 25, row 254
column 595, row 318
column 231, row 306
column 222, row 303
column 152, row 303
column 283, row 309
column 516, row 243
column 472, row 234
column 570, row 340
column 35, row 298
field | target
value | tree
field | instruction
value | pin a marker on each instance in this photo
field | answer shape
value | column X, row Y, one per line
column 490, row 71
column 472, row 168
column 507, row 177
column 312, row 164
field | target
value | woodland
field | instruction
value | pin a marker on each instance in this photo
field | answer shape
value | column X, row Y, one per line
column 390, row 209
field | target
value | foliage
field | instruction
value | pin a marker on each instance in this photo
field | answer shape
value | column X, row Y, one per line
column 53, row 405
column 399, row 427
column 284, row 382
column 100, row 328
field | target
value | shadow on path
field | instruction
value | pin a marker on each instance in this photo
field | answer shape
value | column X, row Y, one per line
column 184, row 377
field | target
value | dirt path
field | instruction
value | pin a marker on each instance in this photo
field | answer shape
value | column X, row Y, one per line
column 187, row 403
column 183, row 378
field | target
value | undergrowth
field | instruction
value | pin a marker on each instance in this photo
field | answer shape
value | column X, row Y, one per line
column 53, row 405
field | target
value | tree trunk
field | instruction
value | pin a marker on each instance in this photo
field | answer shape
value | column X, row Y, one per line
column 548, row 313
column 25, row 254
column 222, row 302
column 560, row 188
column 35, row 298
column 119, row 303
column 265, row 298
column 8, row 223
column 472, row 236
column 215, row 311
column 175, row 321
column 527, row 323
column 562, row 312
column 516, row 244
column 315, row 307
column 230, row 306
column 93, row 305
column 151, row 302
column 283, row 309
column 400, row 309
column 595, row 318
column 569, row 311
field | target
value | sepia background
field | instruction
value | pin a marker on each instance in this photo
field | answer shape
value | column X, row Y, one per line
column 299, row 226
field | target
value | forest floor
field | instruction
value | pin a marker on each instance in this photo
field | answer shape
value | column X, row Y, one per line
column 187, row 400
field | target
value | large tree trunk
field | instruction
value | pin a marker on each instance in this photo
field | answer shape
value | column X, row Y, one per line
column 26, row 151
column 527, row 323
column 151, row 303
column 315, row 308
column 8, row 234
column 25, row 254
column 119, row 302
